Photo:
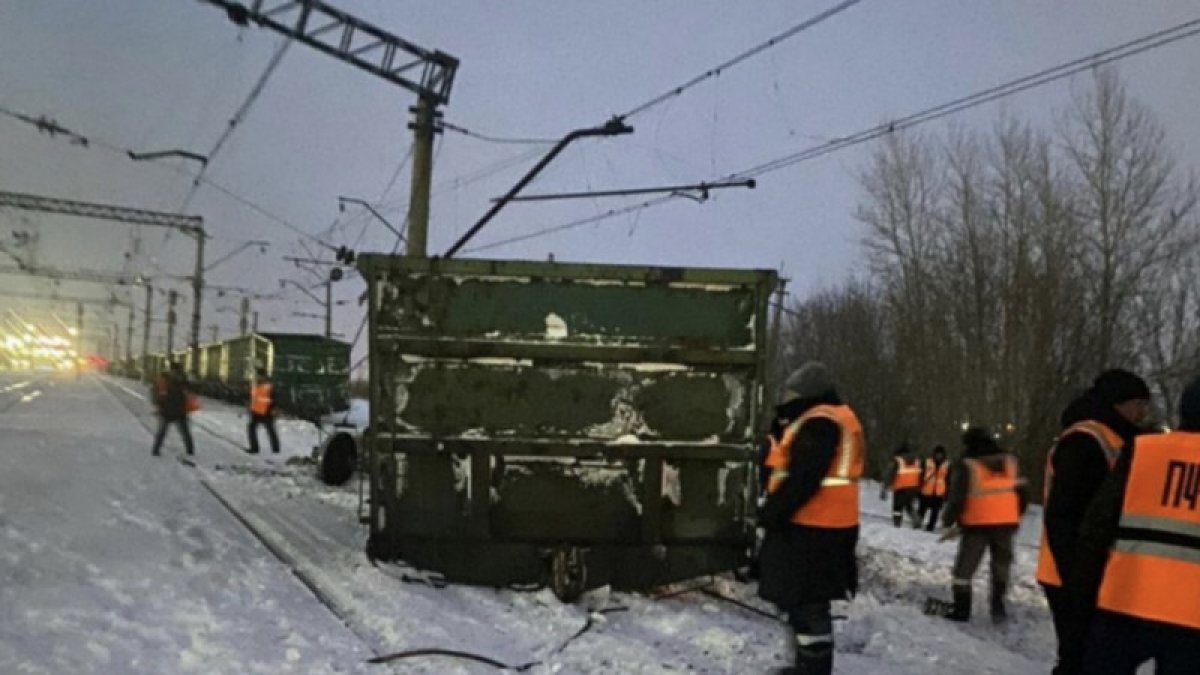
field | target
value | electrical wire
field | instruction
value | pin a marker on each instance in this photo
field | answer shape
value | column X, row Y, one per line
column 238, row 117
column 1046, row 76
column 498, row 139
column 757, row 49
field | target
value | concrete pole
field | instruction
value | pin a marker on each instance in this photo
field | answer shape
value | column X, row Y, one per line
column 197, row 294
column 78, row 335
column 146, row 335
column 129, row 338
column 243, row 322
column 422, row 172
column 172, row 298
column 329, row 306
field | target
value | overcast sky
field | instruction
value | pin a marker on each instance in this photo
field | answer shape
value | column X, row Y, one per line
column 163, row 74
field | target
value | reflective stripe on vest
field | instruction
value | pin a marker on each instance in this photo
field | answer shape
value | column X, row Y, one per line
column 1153, row 570
column 933, row 480
column 908, row 474
column 835, row 504
column 1110, row 444
column 992, row 497
column 260, row 398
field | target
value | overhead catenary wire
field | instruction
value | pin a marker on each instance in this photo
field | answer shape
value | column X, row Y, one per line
column 238, row 117
column 1040, row 78
column 757, row 49
column 497, row 139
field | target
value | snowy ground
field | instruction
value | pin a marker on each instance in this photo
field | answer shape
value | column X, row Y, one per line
column 115, row 562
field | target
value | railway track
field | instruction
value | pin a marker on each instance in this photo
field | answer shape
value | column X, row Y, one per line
column 204, row 477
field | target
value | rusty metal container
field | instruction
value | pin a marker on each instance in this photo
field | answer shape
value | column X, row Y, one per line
column 569, row 424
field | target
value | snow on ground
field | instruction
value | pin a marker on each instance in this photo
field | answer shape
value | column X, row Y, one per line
column 111, row 561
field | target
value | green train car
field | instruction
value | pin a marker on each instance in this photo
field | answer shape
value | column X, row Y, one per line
column 311, row 372
column 575, row 425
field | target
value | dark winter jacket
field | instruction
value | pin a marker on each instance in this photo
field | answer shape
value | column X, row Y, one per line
column 1098, row 529
column 800, row 564
column 1080, row 467
column 993, row 457
column 170, row 396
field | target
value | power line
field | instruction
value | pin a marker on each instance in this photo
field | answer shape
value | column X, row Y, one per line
column 1046, row 76
column 498, row 139
column 1125, row 50
column 238, row 117
column 787, row 34
column 611, row 213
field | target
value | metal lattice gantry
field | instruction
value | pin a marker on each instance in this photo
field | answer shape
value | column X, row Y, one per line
column 192, row 226
column 353, row 40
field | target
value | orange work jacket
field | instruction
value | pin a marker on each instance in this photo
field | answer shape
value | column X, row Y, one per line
column 1153, row 568
column 835, row 504
column 933, row 479
column 908, row 474
column 260, row 398
column 1110, row 443
column 991, row 495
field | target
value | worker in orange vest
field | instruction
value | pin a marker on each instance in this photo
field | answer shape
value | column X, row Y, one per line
column 935, row 472
column 810, row 514
column 1095, row 427
column 986, row 499
column 262, row 411
column 1139, row 554
column 903, row 476
column 171, row 396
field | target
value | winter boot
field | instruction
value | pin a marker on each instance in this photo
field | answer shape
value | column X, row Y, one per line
column 962, row 605
column 814, row 659
column 999, row 611
column 897, row 519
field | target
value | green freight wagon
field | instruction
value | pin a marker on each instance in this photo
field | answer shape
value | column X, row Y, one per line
column 311, row 373
column 569, row 424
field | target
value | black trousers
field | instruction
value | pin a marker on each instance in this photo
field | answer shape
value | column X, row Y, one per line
column 267, row 421
column 1071, row 622
column 904, row 502
column 998, row 543
column 933, row 507
column 813, row 626
column 184, row 431
column 1118, row 644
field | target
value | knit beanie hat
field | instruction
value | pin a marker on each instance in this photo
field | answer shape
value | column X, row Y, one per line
column 810, row 380
column 1116, row 386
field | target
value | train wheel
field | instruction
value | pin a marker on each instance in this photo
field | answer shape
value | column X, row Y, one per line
column 568, row 574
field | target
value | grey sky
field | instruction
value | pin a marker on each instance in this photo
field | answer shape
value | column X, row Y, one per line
column 160, row 74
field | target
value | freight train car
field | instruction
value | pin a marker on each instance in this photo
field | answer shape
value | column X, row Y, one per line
column 310, row 372
column 577, row 425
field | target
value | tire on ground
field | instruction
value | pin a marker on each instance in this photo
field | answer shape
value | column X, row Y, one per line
column 338, row 459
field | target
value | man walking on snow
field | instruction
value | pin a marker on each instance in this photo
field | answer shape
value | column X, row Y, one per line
column 904, row 477
column 935, row 472
column 171, row 402
column 262, row 412
column 987, row 498
column 1096, row 426
column 811, row 513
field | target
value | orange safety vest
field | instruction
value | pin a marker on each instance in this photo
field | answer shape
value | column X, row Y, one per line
column 908, row 474
column 1153, row 568
column 835, row 504
column 991, row 495
column 933, row 480
column 1110, row 443
column 260, row 398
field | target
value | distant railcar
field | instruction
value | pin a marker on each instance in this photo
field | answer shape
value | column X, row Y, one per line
column 310, row 372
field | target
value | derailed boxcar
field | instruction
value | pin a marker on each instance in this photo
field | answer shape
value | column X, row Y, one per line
column 578, row 425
